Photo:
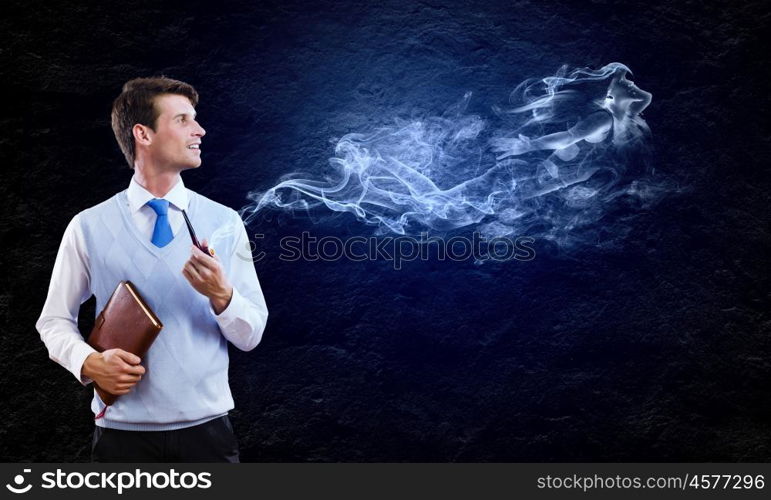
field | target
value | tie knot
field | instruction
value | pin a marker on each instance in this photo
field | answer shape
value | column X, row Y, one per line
column 160, row 206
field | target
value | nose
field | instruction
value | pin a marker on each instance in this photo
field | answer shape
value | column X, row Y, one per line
column 200, row 132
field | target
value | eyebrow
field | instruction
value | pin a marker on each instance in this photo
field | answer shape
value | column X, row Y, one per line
column 184, row 114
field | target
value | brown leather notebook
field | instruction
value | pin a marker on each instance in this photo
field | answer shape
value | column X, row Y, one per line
column 126, row 322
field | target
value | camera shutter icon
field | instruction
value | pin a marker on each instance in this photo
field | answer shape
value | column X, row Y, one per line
column 18, row 480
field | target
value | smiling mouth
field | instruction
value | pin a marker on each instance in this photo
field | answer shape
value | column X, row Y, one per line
column 195, row 147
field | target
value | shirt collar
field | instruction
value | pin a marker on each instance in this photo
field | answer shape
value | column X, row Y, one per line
column 139, row 196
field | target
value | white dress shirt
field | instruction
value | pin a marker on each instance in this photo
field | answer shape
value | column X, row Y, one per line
column 242, row 322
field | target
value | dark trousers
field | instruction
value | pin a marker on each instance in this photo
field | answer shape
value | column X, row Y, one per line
column 212, row 441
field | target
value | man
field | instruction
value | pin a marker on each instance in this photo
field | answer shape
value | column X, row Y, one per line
column 173, row 404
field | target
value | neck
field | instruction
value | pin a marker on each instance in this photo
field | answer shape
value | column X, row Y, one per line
column 157, row 183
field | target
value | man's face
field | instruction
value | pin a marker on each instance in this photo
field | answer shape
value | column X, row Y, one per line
column 176, row 141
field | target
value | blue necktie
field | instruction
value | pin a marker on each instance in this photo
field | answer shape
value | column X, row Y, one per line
column 162, row 232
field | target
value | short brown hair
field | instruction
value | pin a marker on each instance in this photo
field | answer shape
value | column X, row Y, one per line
column 136, row 104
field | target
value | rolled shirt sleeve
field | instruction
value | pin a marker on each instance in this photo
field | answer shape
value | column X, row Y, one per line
column 243, row 320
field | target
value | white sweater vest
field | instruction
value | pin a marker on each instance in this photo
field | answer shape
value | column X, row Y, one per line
column 186, row 379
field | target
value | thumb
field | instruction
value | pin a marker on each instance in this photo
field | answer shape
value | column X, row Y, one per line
column 205, row 244
column 128, row 357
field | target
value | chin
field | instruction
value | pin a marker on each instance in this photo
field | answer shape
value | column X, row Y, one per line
column 191, row 166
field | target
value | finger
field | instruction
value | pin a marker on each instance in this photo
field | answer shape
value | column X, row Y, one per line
column 200, row 262
column 203, row 269
column 212, row 254
column 198, row 252
column 129, row 378
column 203, row 259
column 205, row 244
column 192, row 272
column 128, row 357
column 134, row 370
column 203, row 272
column 190, row 278
column 192, row 264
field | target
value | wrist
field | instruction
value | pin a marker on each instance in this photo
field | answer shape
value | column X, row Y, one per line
column 88, row 368
column 220, row 301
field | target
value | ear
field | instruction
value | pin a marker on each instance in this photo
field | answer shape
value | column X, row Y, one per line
column 142, row 134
